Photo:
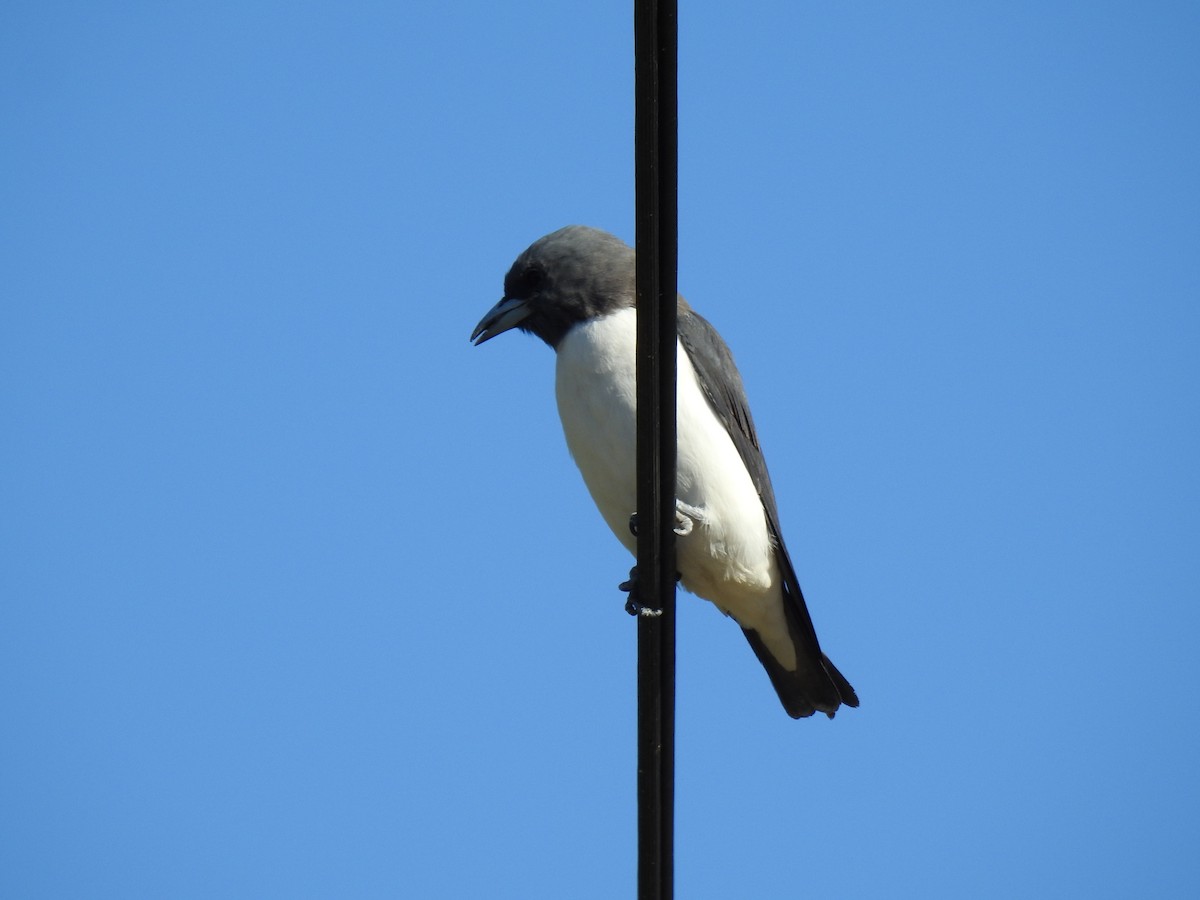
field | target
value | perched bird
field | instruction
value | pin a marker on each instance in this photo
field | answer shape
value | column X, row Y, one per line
column 574, row 289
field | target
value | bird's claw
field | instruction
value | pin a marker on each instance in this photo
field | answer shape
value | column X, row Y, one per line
column 686, row 517
column 633, row 605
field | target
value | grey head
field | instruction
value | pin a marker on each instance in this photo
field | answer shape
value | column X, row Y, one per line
column 566, row 277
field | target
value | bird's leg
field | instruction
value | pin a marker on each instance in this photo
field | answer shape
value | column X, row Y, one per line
column 683, row 525
column 686, row 517
column 633, row 605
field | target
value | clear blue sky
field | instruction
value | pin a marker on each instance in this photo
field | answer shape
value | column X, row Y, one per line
column 302, row 596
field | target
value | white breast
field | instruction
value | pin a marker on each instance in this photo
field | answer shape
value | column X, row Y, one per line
column 727, row 558
column 594, row 385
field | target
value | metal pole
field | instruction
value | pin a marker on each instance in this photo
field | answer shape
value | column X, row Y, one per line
column 655, row 159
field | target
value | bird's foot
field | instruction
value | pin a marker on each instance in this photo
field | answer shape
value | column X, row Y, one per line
column 686, row 517
column 633, row 605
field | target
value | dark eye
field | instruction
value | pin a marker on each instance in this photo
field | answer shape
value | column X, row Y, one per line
column 534, row 278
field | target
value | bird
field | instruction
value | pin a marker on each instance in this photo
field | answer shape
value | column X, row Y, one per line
column 574, row 289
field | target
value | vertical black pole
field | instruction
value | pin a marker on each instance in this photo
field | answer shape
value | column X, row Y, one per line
column 655, row 157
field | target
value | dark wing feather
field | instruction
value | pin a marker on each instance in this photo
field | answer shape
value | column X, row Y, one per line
column 816, row 684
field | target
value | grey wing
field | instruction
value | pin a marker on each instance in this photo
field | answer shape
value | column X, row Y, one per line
column 722, row 384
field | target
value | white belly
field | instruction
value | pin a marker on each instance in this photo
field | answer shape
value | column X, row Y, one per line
column 727, row 558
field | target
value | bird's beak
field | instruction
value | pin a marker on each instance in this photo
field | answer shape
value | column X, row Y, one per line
column 507, row 314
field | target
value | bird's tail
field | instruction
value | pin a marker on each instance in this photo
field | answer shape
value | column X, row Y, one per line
column 816, row 685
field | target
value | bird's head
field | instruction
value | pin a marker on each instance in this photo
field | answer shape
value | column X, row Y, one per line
column 569, row 276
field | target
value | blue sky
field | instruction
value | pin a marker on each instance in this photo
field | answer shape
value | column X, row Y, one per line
column 302, row 596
